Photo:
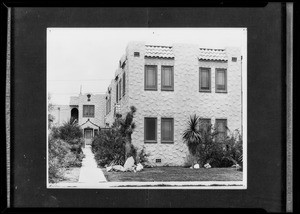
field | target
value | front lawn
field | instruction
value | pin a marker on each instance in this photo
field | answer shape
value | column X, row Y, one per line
column 160, row 174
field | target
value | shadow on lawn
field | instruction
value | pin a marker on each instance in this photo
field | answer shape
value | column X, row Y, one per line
column 160, row 174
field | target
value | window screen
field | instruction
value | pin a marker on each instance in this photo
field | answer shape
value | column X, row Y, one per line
column 167, row 78
column 221, row 80
column 167, row 130
column 204, row 79
column 150, row 77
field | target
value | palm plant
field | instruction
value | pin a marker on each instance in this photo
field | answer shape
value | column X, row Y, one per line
column 192, row 135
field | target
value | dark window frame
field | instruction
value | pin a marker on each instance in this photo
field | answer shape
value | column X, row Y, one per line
column 88, row 115
column 205, row 119
column 117, row 92
column 216, row 126
column 120, row 89
column 167, row 88
column 161, row 128
column 150, row 141
column 209, row 79
column 124, row 83
column 216, row 72
column 145, row 78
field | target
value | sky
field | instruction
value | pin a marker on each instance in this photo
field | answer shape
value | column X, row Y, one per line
column 87, row 58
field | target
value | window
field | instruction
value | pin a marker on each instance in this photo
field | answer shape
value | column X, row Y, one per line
column 204, row 124
column 124, row 82
column 204, row 79
column 221, row 126
column 167, row 78
column 233, row 59
column 221, row 80
column 136, row 54
column 120, row 89
column 151, row 77
column 150, row 130
column 117, row 93
column 88, row 110
column 167, row 130
column 96, row 131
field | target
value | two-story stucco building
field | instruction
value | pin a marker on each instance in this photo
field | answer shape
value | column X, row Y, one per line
column 167, row 84
column 89, row 111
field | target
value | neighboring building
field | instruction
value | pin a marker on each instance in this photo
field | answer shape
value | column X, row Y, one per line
column 87, row 109
column 168, row 84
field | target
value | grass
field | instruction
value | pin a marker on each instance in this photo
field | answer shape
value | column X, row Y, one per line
column 71, row 175
column 160, row 174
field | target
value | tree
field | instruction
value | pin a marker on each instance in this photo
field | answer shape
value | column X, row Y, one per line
column 192, row 135
column 50, row 109
column 127, row 127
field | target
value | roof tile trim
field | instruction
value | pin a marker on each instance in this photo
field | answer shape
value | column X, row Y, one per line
column 159, row 51
column 212, row 54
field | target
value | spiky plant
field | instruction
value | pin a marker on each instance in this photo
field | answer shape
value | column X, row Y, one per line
column 192, row 135
column 127, row 127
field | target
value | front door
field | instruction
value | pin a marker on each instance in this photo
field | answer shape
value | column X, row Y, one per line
column 88, row 135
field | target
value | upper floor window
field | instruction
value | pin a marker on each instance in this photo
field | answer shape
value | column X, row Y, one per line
column 204, row 79
column 167, row 78
column 151, row 77
column 221, row 80
column 88, row 110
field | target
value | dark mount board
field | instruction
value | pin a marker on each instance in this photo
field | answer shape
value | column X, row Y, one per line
column 266, row 109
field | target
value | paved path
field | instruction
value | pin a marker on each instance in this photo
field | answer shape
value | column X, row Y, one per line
column 89, row 172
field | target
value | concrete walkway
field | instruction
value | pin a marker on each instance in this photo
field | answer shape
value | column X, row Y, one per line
column 89, row 172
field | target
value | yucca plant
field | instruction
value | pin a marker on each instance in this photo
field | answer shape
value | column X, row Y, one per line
column 192, row 135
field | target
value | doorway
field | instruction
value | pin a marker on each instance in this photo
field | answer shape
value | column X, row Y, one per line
column 74, row 114
column 88, row 135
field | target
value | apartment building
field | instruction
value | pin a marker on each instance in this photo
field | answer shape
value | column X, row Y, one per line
column 168, row 84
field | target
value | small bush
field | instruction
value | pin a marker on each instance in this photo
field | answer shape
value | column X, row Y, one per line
column 60, row 158
column 109, row 148
column 142, row 157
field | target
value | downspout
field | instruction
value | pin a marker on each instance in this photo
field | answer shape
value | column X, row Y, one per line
column 242, row 94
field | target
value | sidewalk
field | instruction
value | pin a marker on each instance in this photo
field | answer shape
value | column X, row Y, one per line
column 89, row 172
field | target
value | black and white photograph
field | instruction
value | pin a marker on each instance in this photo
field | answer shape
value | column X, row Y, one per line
column 147, row 108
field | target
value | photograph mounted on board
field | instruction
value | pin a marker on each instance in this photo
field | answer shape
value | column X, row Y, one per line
column 154, row 108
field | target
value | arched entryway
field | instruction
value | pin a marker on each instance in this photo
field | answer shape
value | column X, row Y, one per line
column 74, row 114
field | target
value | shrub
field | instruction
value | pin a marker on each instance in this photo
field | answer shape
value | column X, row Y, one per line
column 142, row 157
column 60, row 158
column 109, row 148
column 71, row 133
column 205, row 148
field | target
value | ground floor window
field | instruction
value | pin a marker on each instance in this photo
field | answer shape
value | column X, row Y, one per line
column 221, row 126
column 150, row 129
column 204, row 124
column 167, row 130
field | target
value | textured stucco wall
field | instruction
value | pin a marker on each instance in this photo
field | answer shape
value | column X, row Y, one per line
column 124, row 101
column 184, row 101
column 61, row 113
column 99, row 101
